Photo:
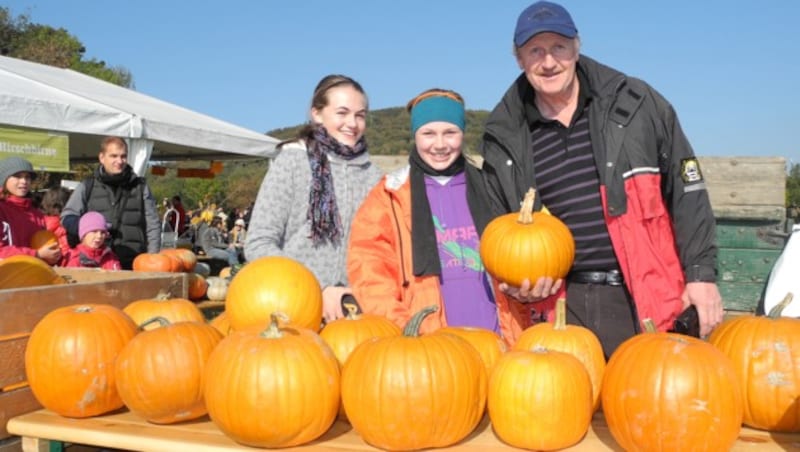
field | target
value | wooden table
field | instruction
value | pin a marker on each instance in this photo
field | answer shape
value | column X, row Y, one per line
column 124, row 430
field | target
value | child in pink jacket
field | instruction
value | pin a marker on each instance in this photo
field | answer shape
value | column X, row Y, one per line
column 93, row 250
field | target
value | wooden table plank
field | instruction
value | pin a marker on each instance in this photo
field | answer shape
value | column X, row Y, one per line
column 124, row 430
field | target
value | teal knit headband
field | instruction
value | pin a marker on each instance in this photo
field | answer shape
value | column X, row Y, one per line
column 437, row 109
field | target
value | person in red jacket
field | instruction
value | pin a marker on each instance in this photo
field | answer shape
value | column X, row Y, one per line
column 93, row 251
column 607, row 155
column 19, row 218
column 53, row 203
column 179, row 216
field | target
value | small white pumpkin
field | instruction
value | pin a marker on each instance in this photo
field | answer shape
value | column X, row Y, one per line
column 217, row 288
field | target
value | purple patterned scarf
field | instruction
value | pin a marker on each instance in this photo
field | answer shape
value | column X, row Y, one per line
column 322, row 210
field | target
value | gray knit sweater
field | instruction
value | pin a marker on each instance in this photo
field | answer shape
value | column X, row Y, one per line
column 279, row 225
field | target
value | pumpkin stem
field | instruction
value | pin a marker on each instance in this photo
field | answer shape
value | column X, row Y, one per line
column 273, row 331
column 526, row 210
column 777, row 310
column 649, row 326
column 162, row 321
column 84, row 308
column 162, row 295
column 412, row 327
column 561, row 315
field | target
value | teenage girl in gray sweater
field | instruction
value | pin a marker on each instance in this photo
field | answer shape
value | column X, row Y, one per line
column 314, row 187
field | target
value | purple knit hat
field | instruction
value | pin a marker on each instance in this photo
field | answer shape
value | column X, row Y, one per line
column 90, row 222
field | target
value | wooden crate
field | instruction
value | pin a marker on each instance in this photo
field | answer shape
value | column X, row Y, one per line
column 23, row 308
column 748, row 196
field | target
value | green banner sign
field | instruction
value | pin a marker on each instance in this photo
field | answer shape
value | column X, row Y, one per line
column 47, row 151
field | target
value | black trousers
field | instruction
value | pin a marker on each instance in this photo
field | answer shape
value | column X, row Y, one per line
column 606, row 310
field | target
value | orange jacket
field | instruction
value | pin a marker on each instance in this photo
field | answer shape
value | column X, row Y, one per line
column 380, row 268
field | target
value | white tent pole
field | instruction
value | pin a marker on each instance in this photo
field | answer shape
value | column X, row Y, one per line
column 139, row 151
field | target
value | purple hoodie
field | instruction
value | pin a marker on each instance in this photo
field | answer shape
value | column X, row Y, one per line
column 466, row 289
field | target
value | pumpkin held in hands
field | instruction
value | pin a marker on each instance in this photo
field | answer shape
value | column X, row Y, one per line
column 527, row 245
column 43, row 237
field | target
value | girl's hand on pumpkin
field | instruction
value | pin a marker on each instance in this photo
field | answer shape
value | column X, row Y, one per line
column 544, row 287
column 332, row 302
column 49, row 253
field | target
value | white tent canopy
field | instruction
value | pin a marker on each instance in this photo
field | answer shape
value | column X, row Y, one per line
column 87, row 109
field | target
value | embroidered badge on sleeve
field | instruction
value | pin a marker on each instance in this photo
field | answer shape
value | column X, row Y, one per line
column 690, row 171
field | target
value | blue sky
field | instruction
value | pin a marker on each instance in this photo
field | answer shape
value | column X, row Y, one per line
column 730, row 68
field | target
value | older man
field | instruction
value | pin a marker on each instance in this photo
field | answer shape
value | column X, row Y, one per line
column 608, row 157
column 123, row 198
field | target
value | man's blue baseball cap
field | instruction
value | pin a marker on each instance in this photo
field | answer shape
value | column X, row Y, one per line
column 543, row 17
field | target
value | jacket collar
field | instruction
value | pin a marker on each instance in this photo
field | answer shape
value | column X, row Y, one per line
column 23, row 203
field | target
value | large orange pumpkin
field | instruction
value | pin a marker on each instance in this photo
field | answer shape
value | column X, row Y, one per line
column 160, row 372
column 540, row 399
column 274, row 284
column 669, row 392
column 197, row 286
column 414, row 392
column 765, row 351
column 273, row 387
column 528, row 245
column 69, row 359
column 345, row 334
column 173, row 309
column 488, row 343
column 221, row 323
column 573, row 339
column 187, row 257
column 157, row 262
column 26, row 271
column 43, row 237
